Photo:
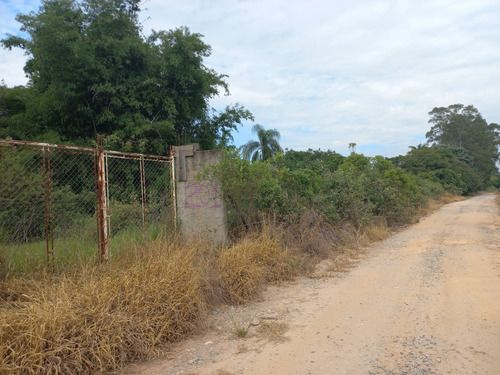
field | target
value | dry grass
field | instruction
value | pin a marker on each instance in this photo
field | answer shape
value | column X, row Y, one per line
column 101, row 318
column 435, row 204
column 377, row 232
column 245, row 267
column 98, row 318
column 313, row 235
column 451, row 198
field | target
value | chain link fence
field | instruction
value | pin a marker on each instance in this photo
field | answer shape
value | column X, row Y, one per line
column 62, row 204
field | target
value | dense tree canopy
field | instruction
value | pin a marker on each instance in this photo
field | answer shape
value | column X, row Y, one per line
column 91, row 70
column 441, row 164
column 463, row 130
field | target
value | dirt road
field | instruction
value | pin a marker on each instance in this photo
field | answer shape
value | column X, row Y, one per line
column 425, row 301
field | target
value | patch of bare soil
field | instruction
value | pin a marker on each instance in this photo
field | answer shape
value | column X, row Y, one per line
column 425, row 301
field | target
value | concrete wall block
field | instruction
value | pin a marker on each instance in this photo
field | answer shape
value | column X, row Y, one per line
column 200, row 208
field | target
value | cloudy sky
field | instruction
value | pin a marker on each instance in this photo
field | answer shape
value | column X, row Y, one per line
column 329, row 72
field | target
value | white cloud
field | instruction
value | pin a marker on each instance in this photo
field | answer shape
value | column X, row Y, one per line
column 365, row 71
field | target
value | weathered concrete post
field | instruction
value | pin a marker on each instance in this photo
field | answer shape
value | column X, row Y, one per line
column 200, row 209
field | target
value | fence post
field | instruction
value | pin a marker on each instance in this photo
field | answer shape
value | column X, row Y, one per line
column 103, row 205
column 173, row 185
column 142, row 172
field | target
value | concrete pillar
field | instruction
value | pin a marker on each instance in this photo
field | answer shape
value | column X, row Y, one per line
column 200, row 207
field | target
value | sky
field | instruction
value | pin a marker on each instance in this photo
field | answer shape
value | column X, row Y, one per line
column 326, row 73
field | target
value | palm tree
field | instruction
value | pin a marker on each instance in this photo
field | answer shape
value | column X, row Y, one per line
column 266, row 147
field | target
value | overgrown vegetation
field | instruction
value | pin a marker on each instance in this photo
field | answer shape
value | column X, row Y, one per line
column 92, row 71
column 355, row 190
column 285, row 214
column 98, row 317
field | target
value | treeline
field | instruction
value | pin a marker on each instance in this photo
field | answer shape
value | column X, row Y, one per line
column 460, row 157
column 93, row 71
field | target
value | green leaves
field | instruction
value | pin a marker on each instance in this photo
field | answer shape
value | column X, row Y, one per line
column 470, row 137
column 92, row 71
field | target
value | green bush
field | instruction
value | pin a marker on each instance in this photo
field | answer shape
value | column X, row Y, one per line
column 359, row 191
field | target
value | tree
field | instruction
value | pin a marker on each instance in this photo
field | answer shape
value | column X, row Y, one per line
column 266, row 147
column 442, row 164
column 92, row 70
column 466, row 132
column 13, row 103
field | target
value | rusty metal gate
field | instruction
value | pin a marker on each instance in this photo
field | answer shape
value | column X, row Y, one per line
column 52, row 193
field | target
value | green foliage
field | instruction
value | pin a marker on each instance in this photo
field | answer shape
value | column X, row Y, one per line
column 23, row 203
column 316, row 160
column 364, row 189
column 444, row 165
column 92, row 71
column 358, row 191
column 472, row 140
column 21, row 197
column 495, row 181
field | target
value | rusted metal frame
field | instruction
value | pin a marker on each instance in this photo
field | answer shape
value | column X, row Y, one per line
column 46, row 145
column 49, row 220
column 173, row 185
column 39, row 149
column 102, row 213
column 107, row 207
column 97, row 205
column 133, row 154
column 101, row 185
column 78, row 148
column 145, row 158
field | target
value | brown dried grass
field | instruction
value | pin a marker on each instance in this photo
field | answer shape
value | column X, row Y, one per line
column 377, row 232
column 101, row 318
column 245, row 267
column 313, row 235
column 435, row 204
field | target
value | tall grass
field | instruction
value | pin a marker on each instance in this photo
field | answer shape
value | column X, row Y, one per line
column 100, row 317
column 97, row 318
column 256, row 260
